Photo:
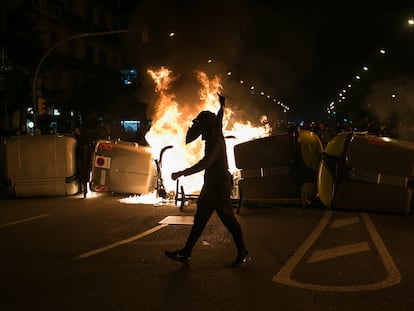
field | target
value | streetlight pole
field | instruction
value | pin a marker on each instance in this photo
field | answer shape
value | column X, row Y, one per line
column 46, row 54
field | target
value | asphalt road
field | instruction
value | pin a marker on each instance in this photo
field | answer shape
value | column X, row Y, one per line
column 100, row 254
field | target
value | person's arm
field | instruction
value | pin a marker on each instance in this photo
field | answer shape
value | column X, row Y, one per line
column 220, row 113
column 209, row 158
column 203, row 164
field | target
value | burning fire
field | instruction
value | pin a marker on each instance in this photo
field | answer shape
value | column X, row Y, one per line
column 171, row 121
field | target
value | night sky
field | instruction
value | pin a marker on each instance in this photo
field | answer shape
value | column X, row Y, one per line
column 301, row 54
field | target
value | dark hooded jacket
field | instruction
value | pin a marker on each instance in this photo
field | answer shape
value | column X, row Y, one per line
column 214, row 162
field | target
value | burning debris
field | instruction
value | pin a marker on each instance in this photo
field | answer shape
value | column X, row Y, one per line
column 171, row 119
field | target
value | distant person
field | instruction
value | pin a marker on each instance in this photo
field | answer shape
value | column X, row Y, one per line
column 83, row 159
column 324, row 133
column 216, row 191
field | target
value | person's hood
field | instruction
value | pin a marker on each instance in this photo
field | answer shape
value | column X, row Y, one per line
column 202, row 124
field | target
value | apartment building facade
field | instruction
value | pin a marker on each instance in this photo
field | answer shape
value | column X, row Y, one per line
column 75, row 65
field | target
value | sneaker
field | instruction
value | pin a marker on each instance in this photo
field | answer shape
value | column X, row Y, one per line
column 178, row 256
column 241, row 259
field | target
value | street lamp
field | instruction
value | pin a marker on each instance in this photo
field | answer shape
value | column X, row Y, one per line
column 46, row 54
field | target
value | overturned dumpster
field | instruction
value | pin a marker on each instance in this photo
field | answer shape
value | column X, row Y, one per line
column 279, row 167
column 123, row 167
column 43, row 165
column 367, row 173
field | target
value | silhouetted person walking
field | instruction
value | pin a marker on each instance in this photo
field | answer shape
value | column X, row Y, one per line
column 216, row 191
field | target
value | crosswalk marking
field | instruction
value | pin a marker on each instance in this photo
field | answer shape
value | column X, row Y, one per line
column 344, row 222
column 334, row 252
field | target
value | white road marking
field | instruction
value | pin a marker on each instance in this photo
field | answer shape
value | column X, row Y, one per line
column 125, row 241
column 393, row 275
column 178, row 220
column 284, row 275
column 23, row 220
column 334, row 252
column 344, row 222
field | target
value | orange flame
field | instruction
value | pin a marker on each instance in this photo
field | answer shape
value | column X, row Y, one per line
column 171, row 121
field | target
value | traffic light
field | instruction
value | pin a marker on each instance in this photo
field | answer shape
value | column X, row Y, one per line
column 41, row 106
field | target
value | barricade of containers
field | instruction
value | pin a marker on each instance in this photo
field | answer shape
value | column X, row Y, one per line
column 47, row 165
column 123, row 167
column 367, row 173
column 282, row 166
column 355, row 171
column 39, row 165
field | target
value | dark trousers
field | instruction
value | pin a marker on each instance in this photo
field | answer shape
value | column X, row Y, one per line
column 211, row 200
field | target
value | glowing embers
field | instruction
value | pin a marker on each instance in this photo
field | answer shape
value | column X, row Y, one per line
column 150, row 198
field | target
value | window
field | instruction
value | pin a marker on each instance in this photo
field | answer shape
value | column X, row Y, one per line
column 129, row 76
column 130, row 126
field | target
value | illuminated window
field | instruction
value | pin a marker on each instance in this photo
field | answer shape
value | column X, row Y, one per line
column 130, row 126
column 129, row 76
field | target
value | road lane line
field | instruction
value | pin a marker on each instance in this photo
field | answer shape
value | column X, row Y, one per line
column 125, row 241
column 344, row 222
column 393, row 275
column 334, row 252
column 23, row 220
column 283, row 276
